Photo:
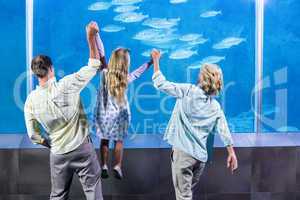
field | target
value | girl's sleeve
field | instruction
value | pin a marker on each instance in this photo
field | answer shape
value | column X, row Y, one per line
column 100, row 46
column 138, row 72
column 177, row 90
column 101, row 50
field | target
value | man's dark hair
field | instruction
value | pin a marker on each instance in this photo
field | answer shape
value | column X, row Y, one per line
column 40, row 65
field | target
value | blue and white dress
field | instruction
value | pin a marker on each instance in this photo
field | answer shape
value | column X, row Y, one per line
column 111, row 118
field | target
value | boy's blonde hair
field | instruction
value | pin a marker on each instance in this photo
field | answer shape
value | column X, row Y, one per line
column 211, row 79
column 117, row 72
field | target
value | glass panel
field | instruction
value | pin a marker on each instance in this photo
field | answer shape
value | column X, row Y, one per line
column 281, row 66
column 187, row 32
column 13, row 66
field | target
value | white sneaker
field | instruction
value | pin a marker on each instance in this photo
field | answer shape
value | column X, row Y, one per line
column 118, row 172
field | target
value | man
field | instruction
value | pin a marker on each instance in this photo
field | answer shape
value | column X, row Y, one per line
column 57, row 108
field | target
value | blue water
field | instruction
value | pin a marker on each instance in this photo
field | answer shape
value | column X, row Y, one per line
column 12, row 65
column 187, row 33
column 281, row 65
column 60, row 33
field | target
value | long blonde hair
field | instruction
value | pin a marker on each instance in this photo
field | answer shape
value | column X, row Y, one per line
column 116, row 76
column 211, row 79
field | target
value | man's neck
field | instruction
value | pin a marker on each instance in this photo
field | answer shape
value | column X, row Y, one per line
column 43, row 81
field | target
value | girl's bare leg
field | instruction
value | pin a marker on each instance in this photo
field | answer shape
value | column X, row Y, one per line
column 104, row 150
column 118, row 153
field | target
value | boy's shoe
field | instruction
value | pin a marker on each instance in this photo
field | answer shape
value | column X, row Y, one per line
column 104, row 172
column 118, row 172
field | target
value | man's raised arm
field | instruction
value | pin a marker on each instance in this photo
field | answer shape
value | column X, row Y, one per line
column 75, row 82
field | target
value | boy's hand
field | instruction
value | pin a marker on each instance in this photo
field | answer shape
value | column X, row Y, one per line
column 232, row 162
column 92, row 29
column 155, row 54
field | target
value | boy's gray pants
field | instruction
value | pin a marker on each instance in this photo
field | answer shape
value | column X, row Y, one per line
column 186, row 172
column 82, row 161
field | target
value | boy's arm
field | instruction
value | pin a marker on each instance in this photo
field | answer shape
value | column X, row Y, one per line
column 33, row 127
column 174, row 89
column 139, row 71
column 224, row 132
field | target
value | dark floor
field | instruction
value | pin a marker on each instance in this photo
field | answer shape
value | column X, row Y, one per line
column 271, row 173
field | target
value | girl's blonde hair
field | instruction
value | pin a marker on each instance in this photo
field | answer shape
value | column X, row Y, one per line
column 117, row 72
column 211, row 79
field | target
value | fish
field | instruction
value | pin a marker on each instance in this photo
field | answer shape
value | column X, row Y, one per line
column 228, row 42
column 190, row 37
column 148, row 52
column 99, row 6
column 212, row 59
column 156, row 35
column 195, row 65
column 178, row 1
column 161, row 23
column 130, row 17
column 200, row 40
column 211, row 13
column 126, row 8
column 113, row 28
column 125, row 2
column 182, row 54
column 209, row 59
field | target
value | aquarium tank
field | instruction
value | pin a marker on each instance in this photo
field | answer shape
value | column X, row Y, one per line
column 187, row 32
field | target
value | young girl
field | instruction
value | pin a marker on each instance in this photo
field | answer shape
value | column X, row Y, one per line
column 196, row 115
column 112, row 113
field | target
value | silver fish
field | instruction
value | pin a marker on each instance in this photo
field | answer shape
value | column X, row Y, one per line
column 212, row 59
column 148, row 52
column 128, row 8
column 113, row 28
column 130, row 17
column 182, row 54
column 99, row 6
column 156, row 35
column 190, row 37
column 228, row 42
column 211, row 13
column 125, row 2
column 161, row 23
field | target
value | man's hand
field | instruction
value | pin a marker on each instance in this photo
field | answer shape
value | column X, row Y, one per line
column 91, row 30
column 45, row 143
column 232, row 162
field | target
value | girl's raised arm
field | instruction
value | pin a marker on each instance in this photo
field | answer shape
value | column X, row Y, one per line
column 101, row 51
column 139, row 71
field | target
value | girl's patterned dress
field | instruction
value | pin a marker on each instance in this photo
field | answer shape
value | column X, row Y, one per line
column 111, row 119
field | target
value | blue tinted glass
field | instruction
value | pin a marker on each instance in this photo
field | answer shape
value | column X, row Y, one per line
column 13, row 66
column 281, row 66
column 188, row 33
